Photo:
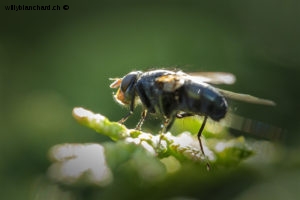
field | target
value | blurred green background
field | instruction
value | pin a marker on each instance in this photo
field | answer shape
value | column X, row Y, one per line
column 52, row 61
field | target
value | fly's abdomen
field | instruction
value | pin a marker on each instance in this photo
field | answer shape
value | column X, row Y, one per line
column 202, row 99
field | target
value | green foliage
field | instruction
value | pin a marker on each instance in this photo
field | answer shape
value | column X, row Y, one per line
column 149, row 157
column 145, row 161
column 183, row 146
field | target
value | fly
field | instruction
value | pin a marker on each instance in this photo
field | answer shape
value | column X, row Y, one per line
column 175, row 94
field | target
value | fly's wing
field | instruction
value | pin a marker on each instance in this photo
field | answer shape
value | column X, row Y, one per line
column 227, row 78
column 171, row 82
column 252, row 127
column 213, row 77
column 246, row 98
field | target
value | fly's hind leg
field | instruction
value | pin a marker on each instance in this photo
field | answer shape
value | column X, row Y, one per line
column 182, row 115
column 200, row 133
column 200, row 143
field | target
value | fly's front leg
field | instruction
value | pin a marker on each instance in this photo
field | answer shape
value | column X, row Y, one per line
column 143, row 117
column 121, row 121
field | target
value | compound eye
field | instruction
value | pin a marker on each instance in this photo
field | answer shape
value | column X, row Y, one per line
column 127, row 80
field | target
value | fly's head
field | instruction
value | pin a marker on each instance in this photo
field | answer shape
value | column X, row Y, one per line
column 126, row 87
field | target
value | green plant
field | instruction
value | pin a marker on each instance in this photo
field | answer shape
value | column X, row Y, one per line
column 139, row 165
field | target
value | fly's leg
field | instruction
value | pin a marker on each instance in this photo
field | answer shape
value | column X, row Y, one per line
column 199, row 139
column 166, row 127
column 121, row 121
column 200, row 133
column 182, row 115
column 168, row 124
column 144, row 115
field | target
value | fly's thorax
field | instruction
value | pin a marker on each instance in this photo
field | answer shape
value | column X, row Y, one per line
column 149, row 91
